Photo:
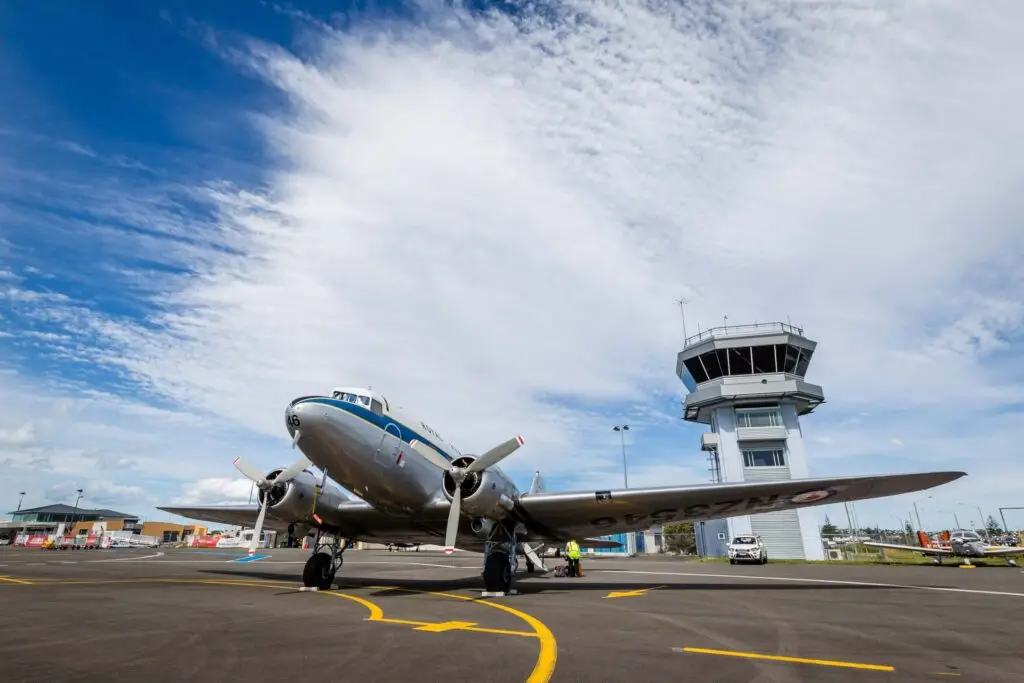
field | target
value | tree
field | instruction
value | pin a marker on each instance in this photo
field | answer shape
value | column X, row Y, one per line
column 828, row 528
column 680, row 538
column 909, row 528
column 992, row 526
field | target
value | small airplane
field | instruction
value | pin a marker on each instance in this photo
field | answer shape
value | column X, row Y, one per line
column 962, row 543
column 416, row 487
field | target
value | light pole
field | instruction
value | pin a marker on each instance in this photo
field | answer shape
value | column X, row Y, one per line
column 918, row 514
column 622, row 429
column 75, row 513
column 21, row 497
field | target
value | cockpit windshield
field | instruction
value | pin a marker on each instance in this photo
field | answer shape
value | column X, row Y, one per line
column 349, row 397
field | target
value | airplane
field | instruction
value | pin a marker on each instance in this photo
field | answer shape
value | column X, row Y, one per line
column 414, row 486
column 963, row 543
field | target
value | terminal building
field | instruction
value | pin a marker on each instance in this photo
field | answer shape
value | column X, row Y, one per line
column 52, row 519
column 746, row 382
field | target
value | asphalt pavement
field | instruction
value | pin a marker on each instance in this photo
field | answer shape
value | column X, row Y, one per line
column 202, row 615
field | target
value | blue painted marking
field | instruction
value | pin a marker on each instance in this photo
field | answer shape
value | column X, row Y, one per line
column 407, row 435
column 251, row 558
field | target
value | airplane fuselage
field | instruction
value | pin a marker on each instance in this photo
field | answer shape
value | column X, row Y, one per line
column 366, row 449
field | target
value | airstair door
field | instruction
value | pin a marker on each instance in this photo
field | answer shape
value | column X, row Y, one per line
column 390, row 446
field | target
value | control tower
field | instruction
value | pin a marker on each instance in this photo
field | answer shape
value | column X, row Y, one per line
column 747, row 383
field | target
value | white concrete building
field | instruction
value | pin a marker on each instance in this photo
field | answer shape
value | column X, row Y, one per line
column 747, row 383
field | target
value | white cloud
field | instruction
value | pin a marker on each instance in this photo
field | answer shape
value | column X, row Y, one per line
column 18, row 436
column 490, row 221
column 217, row 491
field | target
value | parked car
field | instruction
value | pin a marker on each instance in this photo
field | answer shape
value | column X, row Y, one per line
column 747, row 549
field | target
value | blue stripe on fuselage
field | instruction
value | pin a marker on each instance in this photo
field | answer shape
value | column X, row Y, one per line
column 379, row 421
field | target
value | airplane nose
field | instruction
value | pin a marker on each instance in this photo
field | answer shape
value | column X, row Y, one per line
column 302, row 416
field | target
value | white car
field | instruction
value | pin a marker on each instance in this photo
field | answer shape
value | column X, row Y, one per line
column 747, row 549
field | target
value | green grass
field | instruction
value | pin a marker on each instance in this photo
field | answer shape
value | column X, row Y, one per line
column 892, row 557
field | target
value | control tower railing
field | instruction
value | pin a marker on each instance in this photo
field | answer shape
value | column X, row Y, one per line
column 742, row 330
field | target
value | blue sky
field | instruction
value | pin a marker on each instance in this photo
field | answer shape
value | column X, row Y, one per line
column 207, row 209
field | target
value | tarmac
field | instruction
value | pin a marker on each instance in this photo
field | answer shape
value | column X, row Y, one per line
column 201, row 615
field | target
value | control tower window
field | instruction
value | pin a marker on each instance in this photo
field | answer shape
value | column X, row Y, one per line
column 714, row 363
column 739, row 361
column 805, row 360
column 696, row 369
column 764, row 417
column 764, row 457
column 764, row 359
column 792, row 354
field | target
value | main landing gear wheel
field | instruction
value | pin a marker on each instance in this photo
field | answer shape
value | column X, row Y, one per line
column 497, row 573
column 319, row 572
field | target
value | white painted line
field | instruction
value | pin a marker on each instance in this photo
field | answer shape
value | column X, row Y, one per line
column 130, row 559
column 836, row 582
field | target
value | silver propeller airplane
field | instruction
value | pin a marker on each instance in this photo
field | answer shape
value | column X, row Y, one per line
column 415, row 487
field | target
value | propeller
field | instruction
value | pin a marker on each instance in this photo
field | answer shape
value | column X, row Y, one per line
column 459, row 474
column 264, row 484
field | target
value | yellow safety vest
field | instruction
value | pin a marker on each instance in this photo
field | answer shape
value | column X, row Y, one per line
column 572, row 550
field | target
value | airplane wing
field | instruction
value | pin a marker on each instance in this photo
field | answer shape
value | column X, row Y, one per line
column 363, row 522
column 232, row 515
column 945, row 552
column 597, row 513
column 1003, row 551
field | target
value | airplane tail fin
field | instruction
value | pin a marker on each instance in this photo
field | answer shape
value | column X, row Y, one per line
column 944, row 536
column 538, row 484
column 923, row 539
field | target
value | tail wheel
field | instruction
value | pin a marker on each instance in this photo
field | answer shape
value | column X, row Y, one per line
column 497, row 573
column 317, row 572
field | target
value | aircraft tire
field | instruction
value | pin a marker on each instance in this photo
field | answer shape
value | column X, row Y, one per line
column 497, row 573
column 317, row 572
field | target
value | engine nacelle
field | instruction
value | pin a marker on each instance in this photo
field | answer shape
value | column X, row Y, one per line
column 292, row 501
column 487, row 494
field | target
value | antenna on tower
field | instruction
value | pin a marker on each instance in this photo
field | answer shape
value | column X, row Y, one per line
column 682, row 311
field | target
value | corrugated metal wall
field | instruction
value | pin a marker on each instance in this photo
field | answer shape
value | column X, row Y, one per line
column 779, row 530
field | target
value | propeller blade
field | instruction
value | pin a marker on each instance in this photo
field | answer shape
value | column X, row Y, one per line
column 495, row 455
column 290, row 472
column 431, row 455
column 259, row 527
column 453, row 521
column 249, row 471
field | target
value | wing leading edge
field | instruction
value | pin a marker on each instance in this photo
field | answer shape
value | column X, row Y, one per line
column 597, row 513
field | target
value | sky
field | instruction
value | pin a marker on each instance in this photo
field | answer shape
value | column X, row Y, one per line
column 488, row 213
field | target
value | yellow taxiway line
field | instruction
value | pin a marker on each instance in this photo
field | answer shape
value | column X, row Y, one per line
column 779, row 658
column 548, row 657
column 542, row 670
column 10, row 579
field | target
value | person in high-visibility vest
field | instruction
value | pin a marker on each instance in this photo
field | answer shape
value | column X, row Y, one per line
column 572, row 554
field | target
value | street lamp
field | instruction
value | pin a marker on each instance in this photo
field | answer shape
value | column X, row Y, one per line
column 75, row 513
column 622, row 429
column 21, row 497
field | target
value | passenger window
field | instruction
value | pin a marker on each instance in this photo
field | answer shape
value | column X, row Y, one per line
column 376, row 407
